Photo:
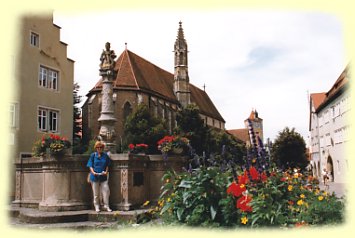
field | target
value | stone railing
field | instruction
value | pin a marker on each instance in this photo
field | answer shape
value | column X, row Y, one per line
column 60, row 184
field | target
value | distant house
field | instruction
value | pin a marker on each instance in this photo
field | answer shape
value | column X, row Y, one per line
column 43, row 98
column 329, row 128
column 243, row 133
column 140, row 81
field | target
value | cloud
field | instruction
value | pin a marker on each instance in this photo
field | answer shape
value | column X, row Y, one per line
column 247, row 59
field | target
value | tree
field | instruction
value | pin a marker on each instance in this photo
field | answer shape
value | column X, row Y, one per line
column 142, row 127
column 289, row 150
column 193, row 127
column 77, row 126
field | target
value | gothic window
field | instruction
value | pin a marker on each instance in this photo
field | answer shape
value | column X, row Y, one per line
column 127, row 110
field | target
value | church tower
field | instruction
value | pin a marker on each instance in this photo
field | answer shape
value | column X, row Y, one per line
column 181, row 75
column 257, row 123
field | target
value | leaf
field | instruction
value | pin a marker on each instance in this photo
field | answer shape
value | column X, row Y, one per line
column 213, row 212
column 165, row 208
column 185, row 184
column 179, row 213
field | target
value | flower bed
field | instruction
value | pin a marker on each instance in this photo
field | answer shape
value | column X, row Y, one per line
column 138, row 148
column 54, row 143
column 173, row 144
column 209, row 197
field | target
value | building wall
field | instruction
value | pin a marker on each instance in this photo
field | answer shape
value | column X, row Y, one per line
column 333, row 138
column 92, row 108
column 29, row 95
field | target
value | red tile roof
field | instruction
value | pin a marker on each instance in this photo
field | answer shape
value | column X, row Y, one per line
column 317, row 99
column 241, row 134
column 320, row 100
column 136, row 73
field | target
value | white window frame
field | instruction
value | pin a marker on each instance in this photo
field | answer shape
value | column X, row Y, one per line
column 34, row 39
column 48, row 78
column 13, row 115
column 48, row 119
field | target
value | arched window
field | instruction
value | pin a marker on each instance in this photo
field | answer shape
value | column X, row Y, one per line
column 127, row 110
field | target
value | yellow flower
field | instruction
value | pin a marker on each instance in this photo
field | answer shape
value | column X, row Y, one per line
column 146, row 203
column 320, row 198
column 316, row 192
column 302, row 196
column 295, row 175
column 167, row 181
column 290, row 187
column 244, row 220
column 169, row 199
column 300, row 202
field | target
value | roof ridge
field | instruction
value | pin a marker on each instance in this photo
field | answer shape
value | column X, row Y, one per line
column 130, row 65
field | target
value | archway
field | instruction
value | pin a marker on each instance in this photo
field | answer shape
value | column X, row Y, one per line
column 330, row 169
column 127, row 110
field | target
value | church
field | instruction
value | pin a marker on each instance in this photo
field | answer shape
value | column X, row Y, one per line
column 140, row 81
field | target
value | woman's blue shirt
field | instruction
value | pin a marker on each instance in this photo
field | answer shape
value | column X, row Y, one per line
column 99, row 165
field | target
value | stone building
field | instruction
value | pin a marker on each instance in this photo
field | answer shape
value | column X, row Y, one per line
column 43, row 98
column 140, row 81
column 329, row 128
column 243, row 133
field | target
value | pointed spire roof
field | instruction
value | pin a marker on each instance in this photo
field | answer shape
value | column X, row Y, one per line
column 136, row 73
column 180, row 40
column 253, row 115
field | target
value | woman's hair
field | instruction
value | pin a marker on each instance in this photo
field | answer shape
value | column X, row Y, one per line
column 98, row 143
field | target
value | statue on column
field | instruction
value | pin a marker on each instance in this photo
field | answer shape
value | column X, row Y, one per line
column 107, row 58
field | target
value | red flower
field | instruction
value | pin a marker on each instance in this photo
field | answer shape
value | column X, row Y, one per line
column 263, row 177
column 254, row 173
column 243, row 203
column 236, row 189
column 131, row 146
column 290, row 202
column 243, row 179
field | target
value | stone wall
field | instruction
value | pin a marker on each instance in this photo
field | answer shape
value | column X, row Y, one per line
column 60, row 184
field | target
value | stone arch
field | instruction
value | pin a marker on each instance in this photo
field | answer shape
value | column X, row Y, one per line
column 330, row 168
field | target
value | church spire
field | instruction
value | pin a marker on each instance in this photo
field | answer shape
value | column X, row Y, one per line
column 181, row 75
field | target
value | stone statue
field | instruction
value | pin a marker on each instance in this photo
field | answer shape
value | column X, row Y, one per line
column 107, row 58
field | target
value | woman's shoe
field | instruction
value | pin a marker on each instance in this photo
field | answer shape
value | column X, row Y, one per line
column 108, row 208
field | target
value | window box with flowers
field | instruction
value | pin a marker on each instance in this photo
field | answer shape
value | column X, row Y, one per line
column 138, row 148
column 51, row 144
column 173, row 145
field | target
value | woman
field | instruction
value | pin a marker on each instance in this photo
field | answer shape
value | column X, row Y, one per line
column 98, row 163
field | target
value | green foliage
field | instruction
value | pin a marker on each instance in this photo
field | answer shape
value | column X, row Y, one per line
column 78, row 147
column 206, row 197
column 194, row 198
column 90, row 147
column 225, row 146
column 142, row 127
column 289, row 149
column 192, row 126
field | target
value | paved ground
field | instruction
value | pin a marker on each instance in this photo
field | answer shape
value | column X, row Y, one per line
column 338, row 188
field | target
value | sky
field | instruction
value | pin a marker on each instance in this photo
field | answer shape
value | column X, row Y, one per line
column 266, row 60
